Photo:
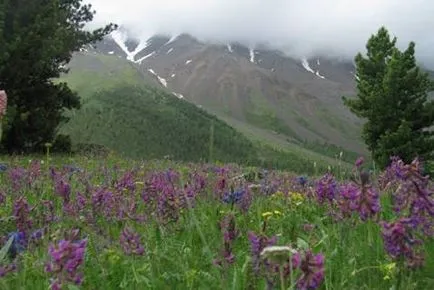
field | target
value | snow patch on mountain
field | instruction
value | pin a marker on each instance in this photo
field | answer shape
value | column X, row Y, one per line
column 160, row 79
column 172, row 39
column 120, row 39
column 180, row 96
column 169, row 51
column 145, row 57
column 229, row 48
column 318, row 74
column 173, row 75
column 252, row 55
column 188, row 61
column 306, row 65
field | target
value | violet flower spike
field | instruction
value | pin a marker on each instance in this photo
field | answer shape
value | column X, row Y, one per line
column 400, row 242
column 66, row 259
column 312, row 267
column 257, row 244
column 130, row 242
column 21, row 213
column 326, row 188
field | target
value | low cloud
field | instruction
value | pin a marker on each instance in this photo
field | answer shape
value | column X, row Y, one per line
column 300, row 28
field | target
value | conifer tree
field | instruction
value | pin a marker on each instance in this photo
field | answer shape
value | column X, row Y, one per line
column 37, row 39
column 392, row 96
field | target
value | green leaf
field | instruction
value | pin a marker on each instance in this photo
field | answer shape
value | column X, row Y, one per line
column 302, row 244
column 73, row 287
column 5, row 249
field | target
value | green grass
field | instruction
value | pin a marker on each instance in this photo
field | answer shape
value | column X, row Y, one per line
column 180, row 254
column 271, row 122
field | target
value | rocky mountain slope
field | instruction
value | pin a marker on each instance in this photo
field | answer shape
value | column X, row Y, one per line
column 294, row 100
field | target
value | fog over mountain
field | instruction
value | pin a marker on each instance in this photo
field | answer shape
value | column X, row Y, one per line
column 299, row 28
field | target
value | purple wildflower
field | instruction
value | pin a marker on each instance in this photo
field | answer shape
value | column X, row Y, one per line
column 257, row 244
column 290, row 267
column 6, row 269
column 17, row 176
column 230, row 233
column 312, row 267
column 169, row 204
column 302, row 180
column 359, row 162
column 19, row 243
column 400, row 242
column 126, row 182
column 2, row 197
column 63, row 189
column 21, row 213
column 34, row 171
column 48, row 212
column 66, row 258
column 103, row 201
column 347, row 202
column 37, row 235
column 130, row 242
column 233, row 197
column 269, row 185
column 81, row 201
column 412, row 192
column 326, row 188
column 3, row 167
column 228, row 228
column 359, row 196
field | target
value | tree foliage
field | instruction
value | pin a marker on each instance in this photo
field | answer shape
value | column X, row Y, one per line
column 392, row 95
column 37, row 40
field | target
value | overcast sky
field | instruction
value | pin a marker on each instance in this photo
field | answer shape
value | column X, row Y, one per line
column 338, row 27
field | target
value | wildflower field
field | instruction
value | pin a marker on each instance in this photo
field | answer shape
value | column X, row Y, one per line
column 116, row 224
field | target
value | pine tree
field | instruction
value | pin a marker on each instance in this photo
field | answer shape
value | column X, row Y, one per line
column 392, row 95
column 37, row 39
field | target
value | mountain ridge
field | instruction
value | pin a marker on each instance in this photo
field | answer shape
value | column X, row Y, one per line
column 294, row 98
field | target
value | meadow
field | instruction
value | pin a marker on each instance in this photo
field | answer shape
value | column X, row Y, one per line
column 110, row 223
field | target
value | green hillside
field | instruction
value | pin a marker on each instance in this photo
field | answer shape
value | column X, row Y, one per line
column 126, row 111
column 146, row 122
column 92, row 72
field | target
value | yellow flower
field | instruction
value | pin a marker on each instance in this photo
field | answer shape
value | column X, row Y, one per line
column 390, row 266
column 388, row 270
column 112, row 256
column 278, row 194
column 267, row 214
column 296, row 198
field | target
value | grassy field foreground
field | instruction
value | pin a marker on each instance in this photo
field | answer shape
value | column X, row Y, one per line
column 88, row 224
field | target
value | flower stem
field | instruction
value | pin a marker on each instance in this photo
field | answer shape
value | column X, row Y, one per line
column 282, row 278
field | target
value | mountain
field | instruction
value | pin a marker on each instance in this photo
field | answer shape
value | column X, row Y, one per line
column 296, row 101
column 121, row 111
column 128, row 111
